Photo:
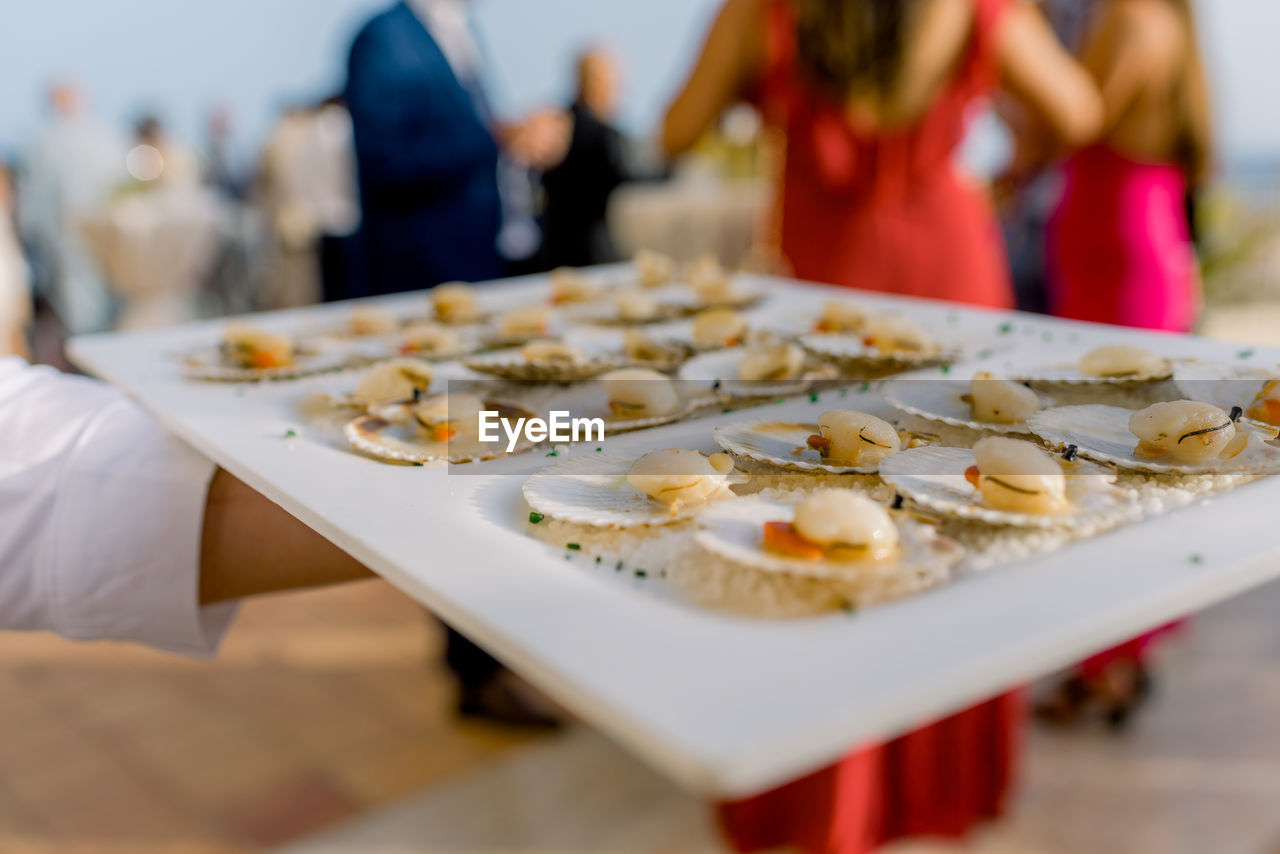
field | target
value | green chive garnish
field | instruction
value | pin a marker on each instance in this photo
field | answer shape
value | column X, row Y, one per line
column 291, row 434
column 813, row 397
column 573, row 546
column 536, row 517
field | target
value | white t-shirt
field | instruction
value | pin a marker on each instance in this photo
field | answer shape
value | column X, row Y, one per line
column 101, row 515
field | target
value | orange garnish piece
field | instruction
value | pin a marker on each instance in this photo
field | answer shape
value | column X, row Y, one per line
column 781, row 538
column 818, row 442
column 443, row 432
column 263, row 359
column 1273, row 411
column 972, row 474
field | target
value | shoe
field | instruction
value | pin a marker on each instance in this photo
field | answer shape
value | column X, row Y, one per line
column 508, row 701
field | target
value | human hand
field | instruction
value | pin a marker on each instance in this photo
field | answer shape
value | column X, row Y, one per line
column 541, row 140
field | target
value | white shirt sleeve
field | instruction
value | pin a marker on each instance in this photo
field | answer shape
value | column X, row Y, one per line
column 101, row 516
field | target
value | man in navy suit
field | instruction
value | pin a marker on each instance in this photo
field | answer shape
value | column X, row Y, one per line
column 427, row 151
column 427, row 148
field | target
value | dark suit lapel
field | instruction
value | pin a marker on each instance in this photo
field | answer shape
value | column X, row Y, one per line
column 437, row 65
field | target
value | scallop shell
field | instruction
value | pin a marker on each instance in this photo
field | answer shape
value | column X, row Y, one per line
column 732, row 530
column 672, row 354
column 606, row 314
column 511, row 365
column 719, row 371
column 389, row 432
column 588, row 401
column 849, row 353
column 1225, row 386
column 1101, row 433
column 208, row 364
column 779, row 443
column 942, row 401
column 1070, row 375
column 934, row 479
column 592, row 489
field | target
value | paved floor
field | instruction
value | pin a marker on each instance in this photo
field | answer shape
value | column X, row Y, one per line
column 1199, row 773
column 321, row 705
column 328, row 704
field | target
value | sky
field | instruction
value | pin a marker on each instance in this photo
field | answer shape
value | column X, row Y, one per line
column 179, row 57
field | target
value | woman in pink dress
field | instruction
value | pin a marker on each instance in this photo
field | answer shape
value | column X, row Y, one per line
column 873, row 98
column 1119, row 245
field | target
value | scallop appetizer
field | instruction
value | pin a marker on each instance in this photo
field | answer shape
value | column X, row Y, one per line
column 772, row 362
column 532, row 321
column 398, row 379
column 841, row 316
column 1118, row 361
column 431, row 339
column 1018, row 477
column 548, row 351
column 443, row 417
column 371, row 321
column 836, row 525
column 680, row 479
column 569, row 286
column 1001, row 401
column 653, row 269
column 636, row 306
column 636, row 393
column 1186, row 432
column 640, row 347
column 1266, row 406
column 710, row 282
column 895, row 333
column 247, row 347
column 618, row 491
column 455, row 302
column 718, row 327
column 851, row 438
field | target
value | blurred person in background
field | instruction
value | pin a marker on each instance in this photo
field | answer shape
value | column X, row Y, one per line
column 15, row 277
column 427, row 152
column 70, row 170
column 307, row 191
column 219, row 171
column 158, row 160
column 427, row 148
column 329, row 157
column 873, row 97
column 577, row 190
column 290, row 270
column 1120, row 245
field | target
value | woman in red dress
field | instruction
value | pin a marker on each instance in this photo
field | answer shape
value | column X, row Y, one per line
column 873, row 97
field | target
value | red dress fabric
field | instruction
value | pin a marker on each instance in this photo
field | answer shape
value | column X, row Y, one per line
column 887, row 213
column 884, row 210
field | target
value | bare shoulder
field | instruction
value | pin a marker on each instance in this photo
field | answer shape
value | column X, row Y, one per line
column 942, row 31
column 1151, row 29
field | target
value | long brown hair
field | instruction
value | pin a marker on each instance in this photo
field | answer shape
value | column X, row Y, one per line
column 1191, row 99
column 850, row 46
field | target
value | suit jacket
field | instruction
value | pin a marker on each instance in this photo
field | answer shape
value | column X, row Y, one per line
column 426, row 159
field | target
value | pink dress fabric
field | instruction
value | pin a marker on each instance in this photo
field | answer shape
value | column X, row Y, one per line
column 1119, row 252
column 1119, row 245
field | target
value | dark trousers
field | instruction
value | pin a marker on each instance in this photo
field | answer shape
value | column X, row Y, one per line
column 471, row 664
